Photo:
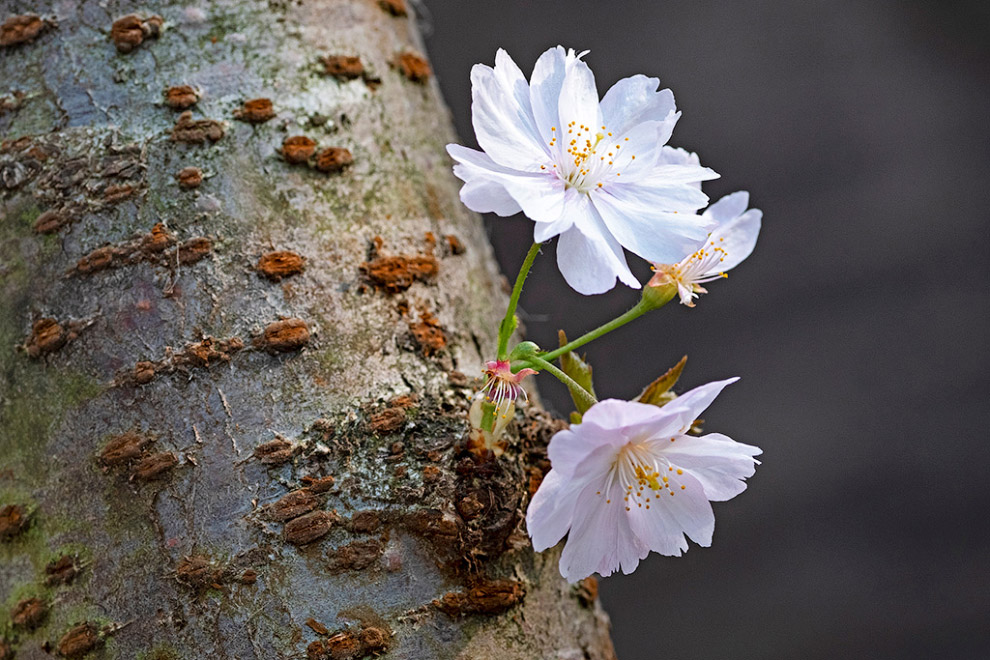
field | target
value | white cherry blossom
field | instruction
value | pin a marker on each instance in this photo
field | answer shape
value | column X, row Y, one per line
column 732, row 240
column 628, row 480
column 589, row 171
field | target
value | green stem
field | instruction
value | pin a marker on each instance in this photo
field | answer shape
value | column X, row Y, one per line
column 641, row 308
column 540, row 364
column 508, row 325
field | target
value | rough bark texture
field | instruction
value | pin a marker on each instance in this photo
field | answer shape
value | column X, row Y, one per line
column 232, row 401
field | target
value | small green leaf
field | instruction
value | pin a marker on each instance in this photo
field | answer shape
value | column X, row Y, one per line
column 575, row 367
column 487, row 416
column 658, row 392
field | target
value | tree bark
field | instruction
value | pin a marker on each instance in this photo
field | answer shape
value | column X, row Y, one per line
column 232, row 354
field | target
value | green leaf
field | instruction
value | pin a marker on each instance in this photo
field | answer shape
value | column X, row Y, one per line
column 487, row 416
column 575, row 367
column 658, row 392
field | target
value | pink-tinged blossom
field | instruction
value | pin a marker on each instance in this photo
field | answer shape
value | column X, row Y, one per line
column 503, row 387
column 732, row 240
column 628, row 480
column 592, row 172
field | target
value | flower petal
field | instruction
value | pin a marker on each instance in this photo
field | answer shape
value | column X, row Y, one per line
column 600, row 540
column 719, row 463
column 633, row 100
column 540, row 195
column 544, row 88
column 657, row 528
column 688, row 406
column 578, row 448
column 487, row 196
column 578, row 100
column 588, row 256
column 738, row 229
column 549, row 514
column 642, row 219
column 505, row 129
column 690, row 510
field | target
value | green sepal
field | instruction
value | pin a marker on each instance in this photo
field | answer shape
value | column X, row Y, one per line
column 658, row 392
column 575, row 417
column 579, row 370
column 487, row 416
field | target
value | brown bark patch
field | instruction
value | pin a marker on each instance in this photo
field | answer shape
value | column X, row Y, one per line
column 321, row 485
column 310, row 527
column 355, row 556
column 129, row 32
column 431, row 474
column 317, row 627
column 276, row 452
column 280, row 264
column 413, row 66
column 394, row 7
column 470, row 506
column 485, row 597
column 12, row 102
column 454, row 245
column 180, row 97
column 21, row 29
column 28, row 613
column 284, row 336
column 388, row 420
column 586, row 591
column 433, row 525
column 189, row 177
column 13, row 521
column 395, row 274
column 343, row 67
column 61, row 571
column 292, row 505
column 255, row 111
column 48, row 335
column 350, row 645
column 123, row 449
column 6, row 650
column 428, row 334
column 51, row 221
column 118, row 193
column 196, row 131
column 198, row 573
column 365, row 522
column 250, row 576
column 79, row 641
column 193, row 250
column 207, row 352
column 298, row 149
column 154, row 466
column 333, row 159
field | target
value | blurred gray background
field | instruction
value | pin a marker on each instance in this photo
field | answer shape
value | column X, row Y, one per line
column 859, row 325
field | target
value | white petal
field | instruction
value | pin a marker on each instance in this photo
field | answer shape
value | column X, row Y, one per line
column 600, row 539
column 549, row 514
column 505, row 129
column 573, row 447
column 544, row 88
column 736, row 234
column 540, row 195
column 718, row 462
column 643, row 221
column 688, row 406
column 634, row 100
column 690, row 509
column 657, row 528
column 668, row 173
column 635, row 154
column 729, row 207
column 589, row 258
column 544, row 231
column 617, row 414
column 578, row 101
column 487, row 196
column 679, row 156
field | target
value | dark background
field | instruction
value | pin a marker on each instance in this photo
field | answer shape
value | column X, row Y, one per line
column 859, row 325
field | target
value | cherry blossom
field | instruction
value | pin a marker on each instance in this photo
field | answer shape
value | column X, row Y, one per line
column 628, row 480
column 591, row 171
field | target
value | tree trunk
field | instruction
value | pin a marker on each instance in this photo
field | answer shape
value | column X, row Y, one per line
column 233, row 408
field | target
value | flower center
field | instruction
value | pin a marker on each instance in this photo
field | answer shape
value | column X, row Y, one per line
column 583, row 158
column 639, row 477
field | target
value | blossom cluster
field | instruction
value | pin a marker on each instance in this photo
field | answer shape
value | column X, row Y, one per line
column 627, row 477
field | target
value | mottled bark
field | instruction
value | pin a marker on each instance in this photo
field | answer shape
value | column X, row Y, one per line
column 238, row 297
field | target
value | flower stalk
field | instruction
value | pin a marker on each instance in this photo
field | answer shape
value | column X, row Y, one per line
column 510, row 322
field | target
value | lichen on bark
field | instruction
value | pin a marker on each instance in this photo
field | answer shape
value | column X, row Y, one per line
column 183, row 544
